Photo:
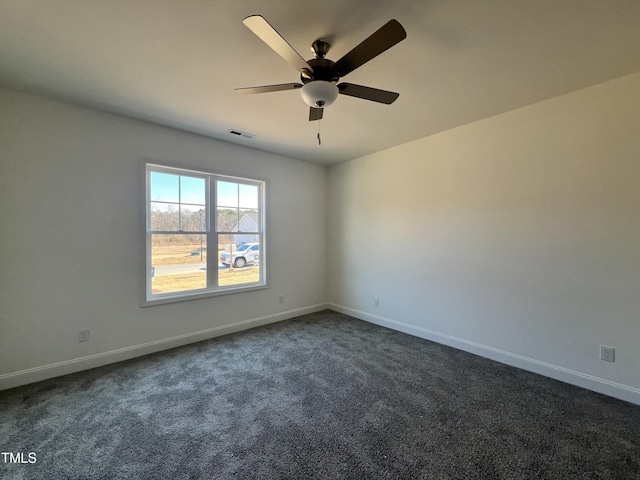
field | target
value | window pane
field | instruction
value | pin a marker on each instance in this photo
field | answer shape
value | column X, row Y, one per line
column 178, row 262
column 227, row 194
column 164, row 216
column 239, row 259
column 192, row 190
column 193, row 218
column 249, row 221
column 248, row 196
column 227, row 220
column 164, row 187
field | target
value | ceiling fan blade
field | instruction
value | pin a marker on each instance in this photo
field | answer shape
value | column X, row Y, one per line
column 258, row 25
column 268, row 88
column 368, row 93
column 315, row 113
column 379, row 41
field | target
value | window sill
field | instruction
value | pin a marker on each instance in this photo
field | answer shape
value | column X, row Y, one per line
column 185, row 297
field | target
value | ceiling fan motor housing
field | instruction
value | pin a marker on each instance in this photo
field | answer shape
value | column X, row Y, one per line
column 323, row 69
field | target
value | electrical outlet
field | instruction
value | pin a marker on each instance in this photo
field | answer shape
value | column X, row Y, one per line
column 281, row 299
column 608, row 354
column 376, row 301
column 84, row 335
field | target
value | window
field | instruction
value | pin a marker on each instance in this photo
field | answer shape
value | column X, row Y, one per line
column 205, row 234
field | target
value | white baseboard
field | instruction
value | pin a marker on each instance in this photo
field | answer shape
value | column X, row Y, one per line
column 600, row 385
column 23, row 377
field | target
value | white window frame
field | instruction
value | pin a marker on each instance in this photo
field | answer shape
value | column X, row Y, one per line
column 211, row 232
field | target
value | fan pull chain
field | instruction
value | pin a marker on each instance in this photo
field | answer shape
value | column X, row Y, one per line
column 319, row 139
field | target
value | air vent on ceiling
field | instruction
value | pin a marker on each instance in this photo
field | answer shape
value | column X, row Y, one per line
column 239, row 133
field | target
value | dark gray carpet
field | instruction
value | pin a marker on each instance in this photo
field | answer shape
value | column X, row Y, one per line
column 322, row 396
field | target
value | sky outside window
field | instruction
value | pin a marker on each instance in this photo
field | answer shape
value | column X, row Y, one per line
column 177, row 189
column 231, row 194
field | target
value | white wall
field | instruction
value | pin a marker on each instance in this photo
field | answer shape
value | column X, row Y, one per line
column 72, row 238
column 516, row 237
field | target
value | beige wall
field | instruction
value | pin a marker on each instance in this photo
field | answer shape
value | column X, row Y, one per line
column 516, row 237
column 72, row 238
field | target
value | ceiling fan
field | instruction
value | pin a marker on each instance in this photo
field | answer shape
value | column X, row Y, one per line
column 319, row 75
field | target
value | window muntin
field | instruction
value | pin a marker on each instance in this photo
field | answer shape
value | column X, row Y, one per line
column 237, row 208
column 193, row 220
column 177, row 203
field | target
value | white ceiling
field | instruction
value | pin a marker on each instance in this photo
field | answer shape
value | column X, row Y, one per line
column 176, row 62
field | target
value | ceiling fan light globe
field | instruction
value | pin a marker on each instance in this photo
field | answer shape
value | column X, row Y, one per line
column 319, row 93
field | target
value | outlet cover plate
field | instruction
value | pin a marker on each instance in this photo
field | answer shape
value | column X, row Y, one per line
column 84, row 335
column 608, row 354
